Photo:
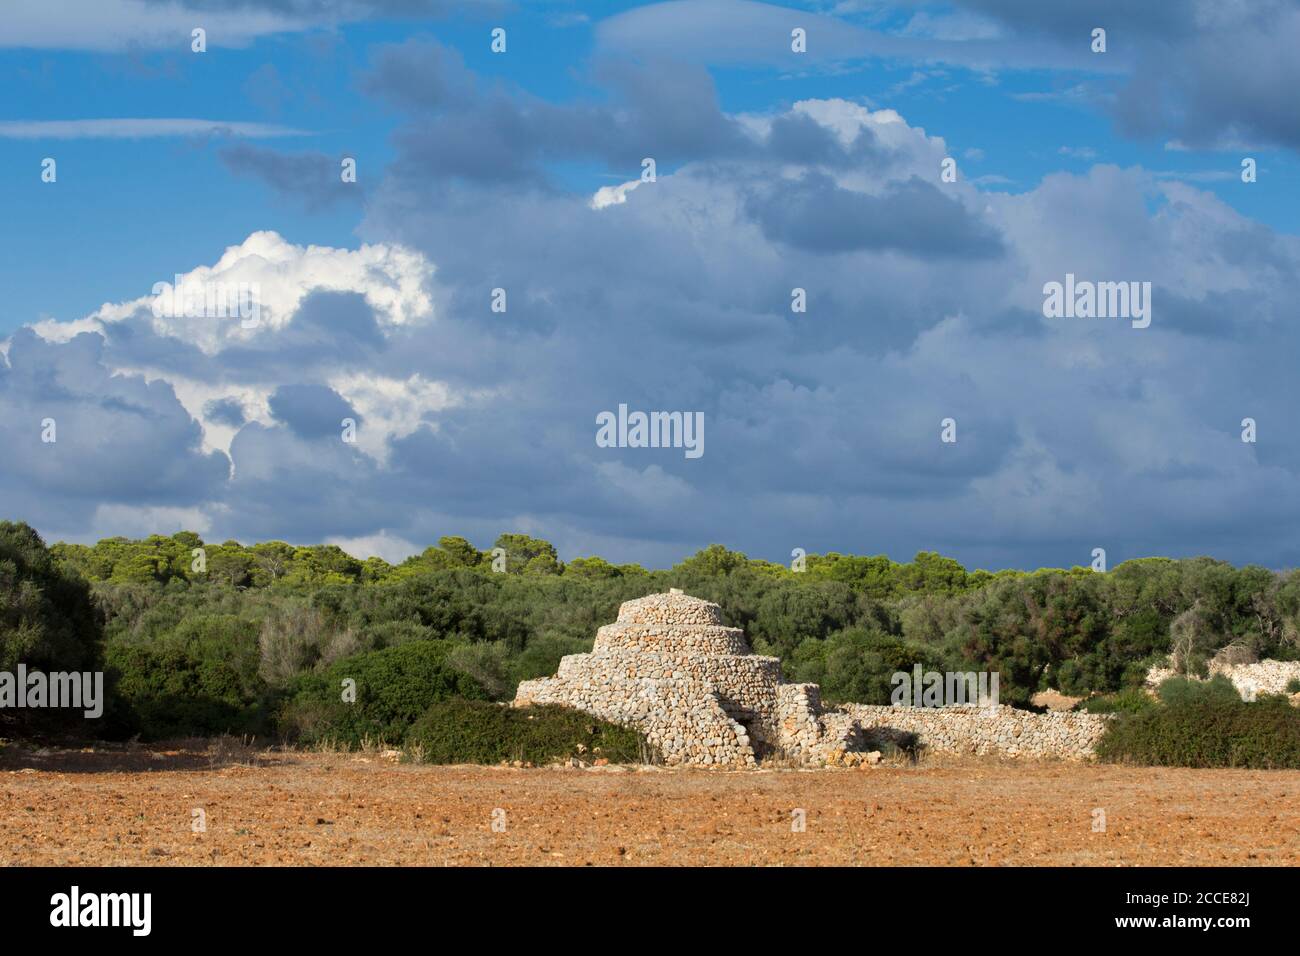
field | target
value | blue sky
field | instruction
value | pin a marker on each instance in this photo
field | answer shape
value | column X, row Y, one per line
column 820, row 170
column 308, row 81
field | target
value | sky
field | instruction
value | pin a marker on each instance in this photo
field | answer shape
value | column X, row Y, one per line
column 504, row 269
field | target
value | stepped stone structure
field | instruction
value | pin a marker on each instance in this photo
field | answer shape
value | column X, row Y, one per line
column 670, row 668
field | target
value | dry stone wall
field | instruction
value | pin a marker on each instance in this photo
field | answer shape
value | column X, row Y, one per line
column 1003, row 731
column 669, row 668
column 1262, row 677
column 683, row 719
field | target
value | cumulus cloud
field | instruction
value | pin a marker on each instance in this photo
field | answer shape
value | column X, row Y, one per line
column 827, row 423
column 924, row 302
column 78, row 436
column 225, row 411
column 311, row 411
column 613, row 195
column 392, row 281
column 390, row 547
column 816, row 214
column 174, row 415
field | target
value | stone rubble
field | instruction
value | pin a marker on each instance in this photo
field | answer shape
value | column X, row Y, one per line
column 671, row 669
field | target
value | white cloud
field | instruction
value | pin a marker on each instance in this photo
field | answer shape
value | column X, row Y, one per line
column 394, row 281
column 1199, row 176
column 1228, row 143
column 54, row 330
column 115, row 25
column 742, row 31
column 647, row 486
column 127, row 128
column 956, row 26
column 846, row 119
column 1078, row 152
column 392, row 548
column 138, row 522
column 825, row 425
column 391, row 408
column 194, row 396
column 613, row 195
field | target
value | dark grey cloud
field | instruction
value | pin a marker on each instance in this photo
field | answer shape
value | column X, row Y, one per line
column 419, row 75
column 118, row 438
column 751, row 33
column 225, row 411
column 1072, row 21
column 311, row 411
column 312, row 179
column 465, row 128
column 822, row 428
column 469, row 130
column 1203, row 71
column 1071, row 436
column 330, row 331
column 1206, row 72
column 305, row 488
column 798, row 138
column 915, row 217
column 341, row 319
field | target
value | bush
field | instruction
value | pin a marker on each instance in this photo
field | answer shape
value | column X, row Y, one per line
column 393, row 688
column 1207, row 732
column 469, row 731
column 166, row 692
column 858, row 665
column 1124, row 702
column 1179, row 690
column 264, row 615
column 47, row 618
column 294, row 640
column 541, row 658
column 487, row 663
column 1293, row 685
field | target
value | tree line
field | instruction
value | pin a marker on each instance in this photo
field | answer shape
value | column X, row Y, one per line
column 210, row 642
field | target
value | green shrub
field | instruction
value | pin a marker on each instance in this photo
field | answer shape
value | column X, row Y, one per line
column 1293, row 685
column 167, row 692
column 1207, row 732
column 541, row 658
column 263, row 615
column 1179, row 690
column 487, row 662
column 47, row 619
column 469, row 731
column 858, row 665
column 1122, row 702
column 394, row 687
